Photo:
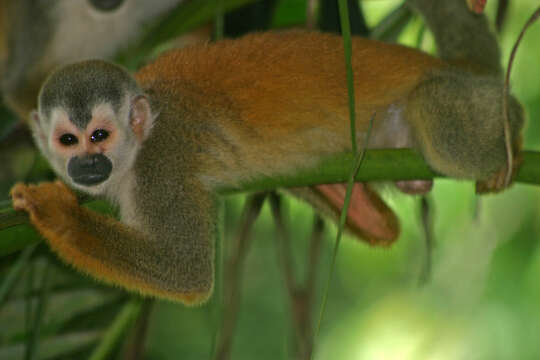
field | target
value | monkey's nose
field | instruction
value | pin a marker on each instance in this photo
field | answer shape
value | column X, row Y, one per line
column 89, row 160
column 90, row 169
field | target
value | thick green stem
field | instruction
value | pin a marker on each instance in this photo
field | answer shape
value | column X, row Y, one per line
column 378, row 165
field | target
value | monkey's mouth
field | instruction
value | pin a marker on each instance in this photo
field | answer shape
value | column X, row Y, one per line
column 90, row 179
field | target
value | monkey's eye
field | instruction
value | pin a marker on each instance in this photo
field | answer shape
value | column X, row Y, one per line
column 106, row 5
column 99, row 135
column 68, row 139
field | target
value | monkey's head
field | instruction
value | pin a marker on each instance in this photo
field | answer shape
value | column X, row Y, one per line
column 91, row 120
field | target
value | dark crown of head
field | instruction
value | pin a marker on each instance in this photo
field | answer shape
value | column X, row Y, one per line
column 81, row 86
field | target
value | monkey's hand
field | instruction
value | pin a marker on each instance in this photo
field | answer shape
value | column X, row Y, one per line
column 48, row 204
column 497, row 182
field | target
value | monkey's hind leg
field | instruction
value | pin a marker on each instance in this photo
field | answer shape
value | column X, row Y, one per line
column 459, row 126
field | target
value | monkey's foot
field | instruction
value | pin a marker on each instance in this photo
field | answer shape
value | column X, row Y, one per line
column 497, row 182
column 477, row 6
column 368, row 216
column 53, row 200
column 414, row 187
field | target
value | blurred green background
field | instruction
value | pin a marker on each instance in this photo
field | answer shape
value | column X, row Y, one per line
column 483, row 300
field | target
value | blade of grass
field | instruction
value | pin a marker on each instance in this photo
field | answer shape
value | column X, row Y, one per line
column 347, row 44
column 427, row 215
column 219, row 21
column 218, row 305
column 507, row 135
column 15, row 271
column 233, row 271
column 29, row 285
column 118, row 329
column 33, row 339
column 341, row 226
column 10, row 218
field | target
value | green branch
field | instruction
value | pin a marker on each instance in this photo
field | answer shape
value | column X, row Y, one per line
column 378, row 165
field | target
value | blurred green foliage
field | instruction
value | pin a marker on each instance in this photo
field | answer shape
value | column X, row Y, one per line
column 482, row 302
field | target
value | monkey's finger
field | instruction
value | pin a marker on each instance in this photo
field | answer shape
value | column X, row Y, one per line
column 17, row 192
column 496, row 183
column 47, row 193
column 414, row 187
column 21, row 199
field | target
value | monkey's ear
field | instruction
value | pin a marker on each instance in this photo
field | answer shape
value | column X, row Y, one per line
column 141, row 118
column 37, row 130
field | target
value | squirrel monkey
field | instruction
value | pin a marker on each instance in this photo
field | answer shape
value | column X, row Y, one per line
column 38, row 36
column 159, row 144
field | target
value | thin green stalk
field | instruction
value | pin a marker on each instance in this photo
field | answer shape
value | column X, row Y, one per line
column 347, row 44
column 507, row 135
column 219, row 22
column 28, row 297
column 219, row 298
column 15, row 271
column 118, row 329
column 232, row 274
column 33, row 338
column 341, row 226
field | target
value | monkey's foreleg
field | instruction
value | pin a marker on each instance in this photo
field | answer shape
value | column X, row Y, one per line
column 457, row 119
column 109, row 250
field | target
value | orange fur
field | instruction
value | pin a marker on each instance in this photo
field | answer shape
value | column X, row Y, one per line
column 60, row 233
column 287, row 92
column 286, row 88
column 275, row 79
